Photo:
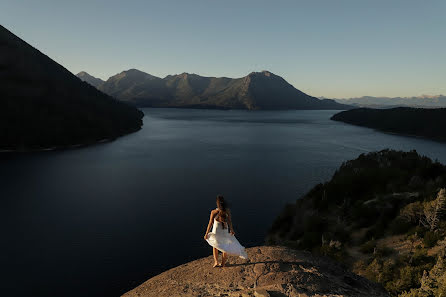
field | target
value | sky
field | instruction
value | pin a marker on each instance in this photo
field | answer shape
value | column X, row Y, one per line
column 331, row 48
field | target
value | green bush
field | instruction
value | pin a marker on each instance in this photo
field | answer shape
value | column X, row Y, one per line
column 377, row 230
column 415, row 293
column 341, row 234
column 315, row 223
column 334, row 253
column 364, row 215
column 368, row 247
column 419, row 230
column 384, row 251
column 407, row 277
column 399, row 226
column 310, row 240
column 430, row 238
column 433, row 283
column 420, row 257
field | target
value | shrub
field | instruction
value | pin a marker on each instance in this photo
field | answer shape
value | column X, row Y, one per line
column 420, row 257
column 384, row 251
column 408, row 277
column 377, row 230
column 412, row 212
column 399, row 226
column 364, row 215
column 373, row 270
column 338, row 254
column 368, row 247
column 315, row 223
column 310, row 240
column 415, row 293
column 430, row 238
column 341, row 233
column 419, row 230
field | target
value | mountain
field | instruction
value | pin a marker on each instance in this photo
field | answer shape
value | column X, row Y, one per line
column 271, row 271
column 44, row 105
column 94, row 81
column 135, row 87
column 382, row 214
column 258, row 90
column 425, row 101
column 422, row 122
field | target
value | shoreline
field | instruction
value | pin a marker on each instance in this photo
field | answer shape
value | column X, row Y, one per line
column 55, row 148
column 435, row 139
column 64, row 147
column 212, row 107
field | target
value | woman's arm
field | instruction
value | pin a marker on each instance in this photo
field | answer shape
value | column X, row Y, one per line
column 230, row 223
column 211, row 220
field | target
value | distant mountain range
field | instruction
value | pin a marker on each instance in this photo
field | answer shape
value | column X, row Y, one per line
column 44, row 105
column 388, row 102
column 257, row 90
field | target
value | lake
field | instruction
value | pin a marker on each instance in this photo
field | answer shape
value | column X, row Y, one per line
column 100, row 220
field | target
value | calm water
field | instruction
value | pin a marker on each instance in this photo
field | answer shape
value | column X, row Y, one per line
column 100, row 220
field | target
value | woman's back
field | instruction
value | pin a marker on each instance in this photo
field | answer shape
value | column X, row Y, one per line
column 221, row 217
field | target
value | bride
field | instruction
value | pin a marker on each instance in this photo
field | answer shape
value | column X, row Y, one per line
column 221, row 238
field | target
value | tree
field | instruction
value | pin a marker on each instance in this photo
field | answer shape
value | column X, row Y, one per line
column 413, row 212
column 433, row 211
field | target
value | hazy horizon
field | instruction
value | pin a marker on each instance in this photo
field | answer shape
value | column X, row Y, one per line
column 325, row 49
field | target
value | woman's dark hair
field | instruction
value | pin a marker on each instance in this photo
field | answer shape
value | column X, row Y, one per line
column 222, row 209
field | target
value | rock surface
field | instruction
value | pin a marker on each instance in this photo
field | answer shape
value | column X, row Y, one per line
column 271, row 271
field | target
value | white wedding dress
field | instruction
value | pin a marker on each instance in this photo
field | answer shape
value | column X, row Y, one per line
column 224, row 241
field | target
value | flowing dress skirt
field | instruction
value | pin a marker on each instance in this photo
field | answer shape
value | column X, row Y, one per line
column 224, row 241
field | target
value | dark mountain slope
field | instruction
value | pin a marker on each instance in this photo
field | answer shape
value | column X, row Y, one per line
column 44, row 105
column 258, row 90
column 94, row 81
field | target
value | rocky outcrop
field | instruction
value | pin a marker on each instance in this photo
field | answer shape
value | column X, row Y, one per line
column 271, row 271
